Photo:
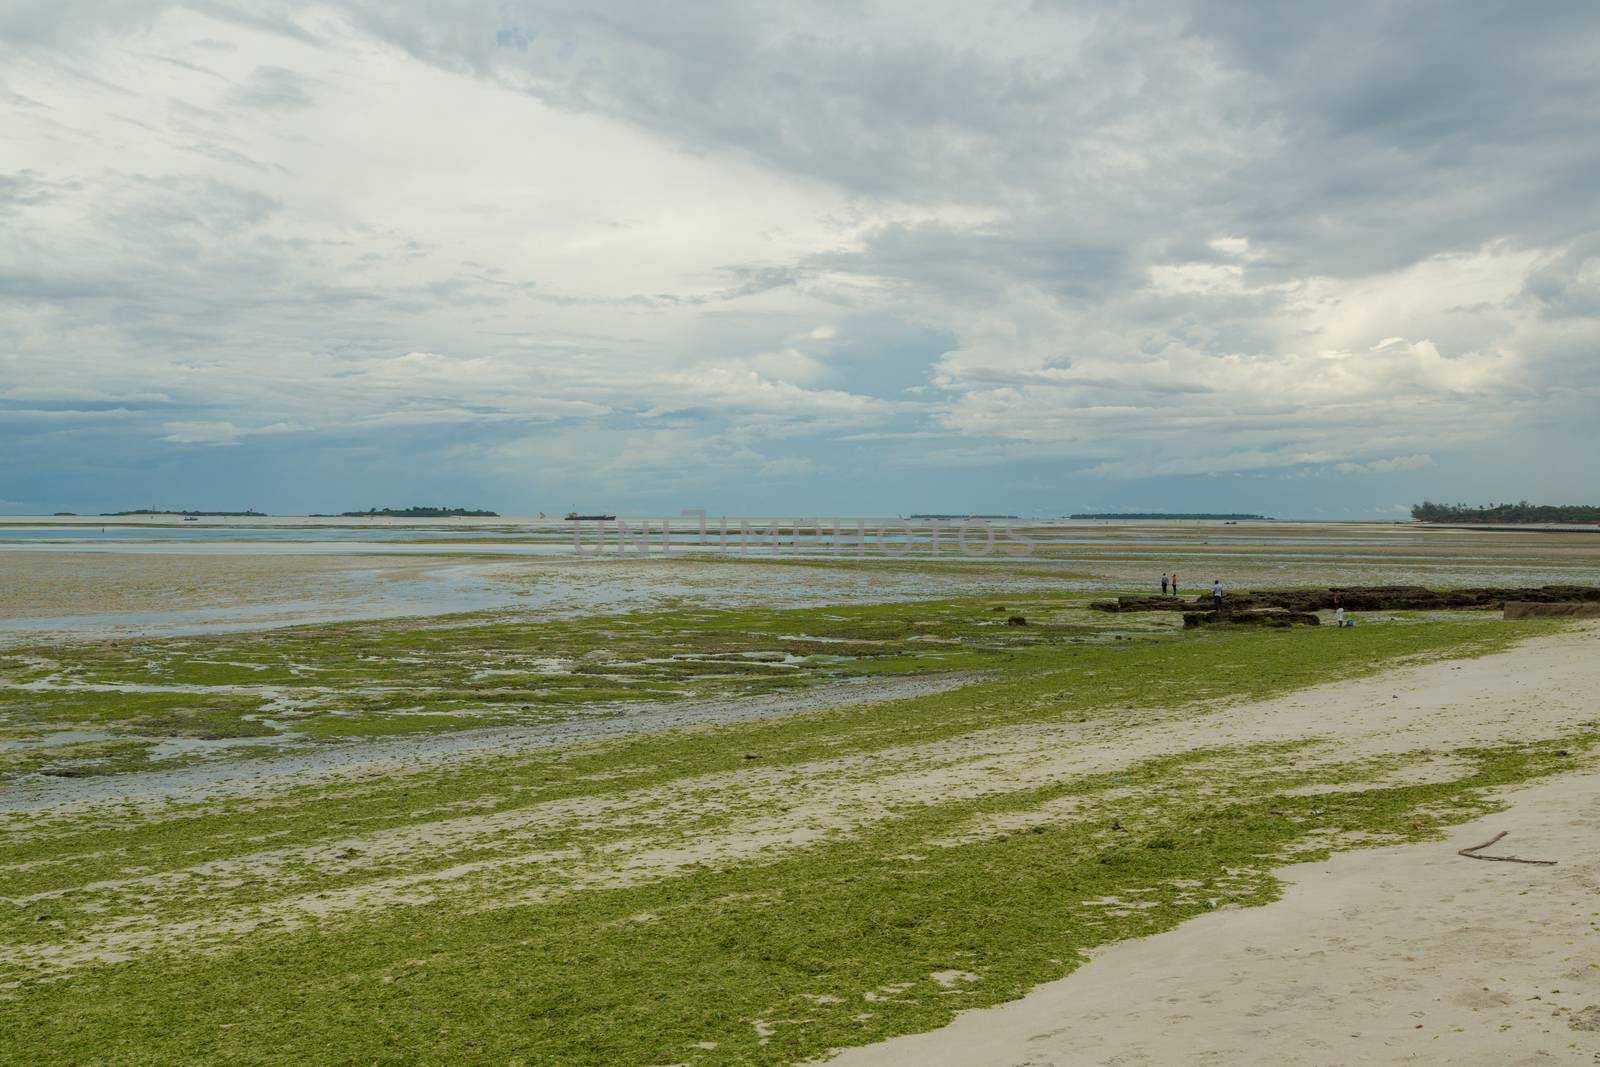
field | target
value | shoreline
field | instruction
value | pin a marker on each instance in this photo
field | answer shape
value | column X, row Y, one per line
column 1397, row 954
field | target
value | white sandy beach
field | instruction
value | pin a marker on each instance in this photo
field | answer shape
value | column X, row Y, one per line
column 1410, row 954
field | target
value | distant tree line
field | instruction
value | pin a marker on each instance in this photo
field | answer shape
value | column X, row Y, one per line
column 1428, row 511
column 1164, row 515
column 250, row 513
column 417, row 511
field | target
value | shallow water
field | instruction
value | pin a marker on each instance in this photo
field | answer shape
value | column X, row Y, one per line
column 350, row 596
column 234, row 777
column 55, row 738
column 608, row 587
column 558, row 580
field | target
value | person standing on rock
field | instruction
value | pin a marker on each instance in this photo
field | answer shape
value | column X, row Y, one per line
column 1174, row 583
column 1163, row 583
column 1216, row 595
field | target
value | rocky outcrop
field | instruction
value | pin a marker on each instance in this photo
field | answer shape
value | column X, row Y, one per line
column 1522, row 609
column 1267, row 617
column 1147, row 603
column 1363, row 598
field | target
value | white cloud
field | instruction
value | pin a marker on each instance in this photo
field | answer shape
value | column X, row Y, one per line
column 202, row 433
column 224, row 433
column 1386, row 466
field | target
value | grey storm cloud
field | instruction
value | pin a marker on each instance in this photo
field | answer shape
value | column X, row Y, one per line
column 65, row 23
column 1568, row 285
column 25, row 187
column 272, row 88
column 1157, row 239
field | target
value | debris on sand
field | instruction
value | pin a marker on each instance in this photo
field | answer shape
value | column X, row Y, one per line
column 1473, row 853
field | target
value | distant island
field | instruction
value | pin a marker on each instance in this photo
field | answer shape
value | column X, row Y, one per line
column 416, row 511
column 1168, row 515
column 250, row 513
column 1523, row 512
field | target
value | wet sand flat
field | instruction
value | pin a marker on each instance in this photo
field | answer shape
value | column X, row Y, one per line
column 89, row 594
column 50, row 584
column 321, row 574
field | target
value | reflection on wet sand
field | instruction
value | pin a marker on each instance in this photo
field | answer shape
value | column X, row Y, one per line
column 79, row 578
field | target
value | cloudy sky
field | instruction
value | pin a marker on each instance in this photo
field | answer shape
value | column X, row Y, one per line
column 800, row 258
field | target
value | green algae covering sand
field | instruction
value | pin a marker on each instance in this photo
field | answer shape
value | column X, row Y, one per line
column 60, row 706
column 744, row 892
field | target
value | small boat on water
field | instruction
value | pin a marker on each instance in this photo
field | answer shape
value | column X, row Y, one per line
column 574, row 516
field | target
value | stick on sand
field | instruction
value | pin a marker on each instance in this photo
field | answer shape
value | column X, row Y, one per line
column 1472, row 854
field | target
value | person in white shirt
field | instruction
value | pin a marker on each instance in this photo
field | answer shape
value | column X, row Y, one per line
column 1338, row 615
column 1216, row 595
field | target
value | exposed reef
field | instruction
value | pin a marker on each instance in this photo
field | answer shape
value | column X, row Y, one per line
column 1362, row 598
